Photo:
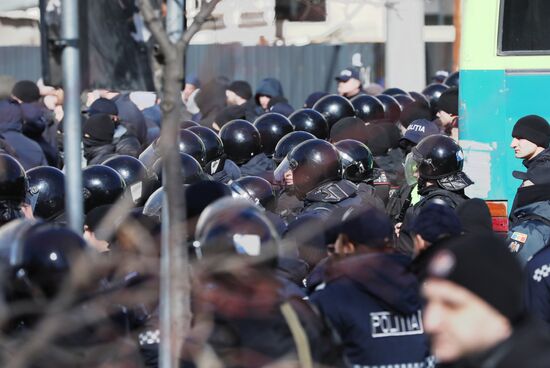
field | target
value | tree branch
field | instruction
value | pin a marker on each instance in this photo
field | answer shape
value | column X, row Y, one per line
column 154, row 24
column 206, row 10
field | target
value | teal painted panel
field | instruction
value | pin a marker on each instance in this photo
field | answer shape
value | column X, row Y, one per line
column 490, row 104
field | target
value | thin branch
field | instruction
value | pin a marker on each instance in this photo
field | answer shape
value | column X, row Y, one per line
column 206, row 10
column 154, row 24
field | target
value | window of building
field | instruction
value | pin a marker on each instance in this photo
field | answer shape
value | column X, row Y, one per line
column 301, row 10
column 524, row 27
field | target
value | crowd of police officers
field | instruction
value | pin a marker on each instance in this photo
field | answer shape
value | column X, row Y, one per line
column 335, row 235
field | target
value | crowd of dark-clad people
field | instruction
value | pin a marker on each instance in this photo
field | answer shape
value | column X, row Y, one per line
column 335, row 234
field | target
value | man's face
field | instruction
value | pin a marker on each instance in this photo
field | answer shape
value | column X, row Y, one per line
column 264, row 101
column 349, row 88
column 523, row 148
column 232, row 98
column 189, row 88
column 459, row 322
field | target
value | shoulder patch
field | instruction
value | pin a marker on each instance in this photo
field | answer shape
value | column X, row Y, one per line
column 541, row 273
column 520, row 237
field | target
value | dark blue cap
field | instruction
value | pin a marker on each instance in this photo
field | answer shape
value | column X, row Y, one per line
column 348, row 73
column 419, row 129
column 435, row 222
column 194, row 80
column 103, row 106
column 370, row 227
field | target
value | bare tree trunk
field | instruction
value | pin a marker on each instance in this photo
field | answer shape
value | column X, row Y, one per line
column 176, row 326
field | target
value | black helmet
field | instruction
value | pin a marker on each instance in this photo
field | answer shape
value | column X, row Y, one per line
column 47, row 187
column 153, row 205
column 334, row 108
column 404, row 100
column 188, row 124
column 432, row 93
column 313, row 163
column 191, row 170
column 256, row 189
column 311, row 121
column 368, row 108
column 440, row 158
column 272, row 127
column 13, row 181
column 41, row 256
column 357, row 160
column 420, row 98
column 394, row 92
column 241, row 141
column 133, row 172
column 288, row 142
column 191, row 144
column 212, row 142
column 392, row 109
column 231, row 231
column 453, row 79
column 102, row 185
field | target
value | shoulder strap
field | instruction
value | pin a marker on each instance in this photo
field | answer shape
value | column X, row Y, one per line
column 534, row 217
column 299, row 335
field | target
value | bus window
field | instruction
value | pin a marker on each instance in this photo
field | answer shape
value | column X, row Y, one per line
column 524, row 27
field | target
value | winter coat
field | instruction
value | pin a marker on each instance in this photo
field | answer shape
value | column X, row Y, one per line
column 35, row 122
column 374, row 304
column 530, row 230
column 259, row 165
column 131, row 117
column 332, row 195
column 229, row 172
column 537, row 290
column 29, row 153
column 125, row 142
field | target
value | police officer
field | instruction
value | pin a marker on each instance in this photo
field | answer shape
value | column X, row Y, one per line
column 374, row 279
column 358, row 167
column 242, row 144
column 102, row 186
column 47, row 189
column 349, row 83
column 530, row 215
column 314, row 169
column 241, row 316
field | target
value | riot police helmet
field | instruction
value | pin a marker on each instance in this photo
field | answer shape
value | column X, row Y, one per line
column 441, row 159
column 191, row 144
column 213, row 146
column 453, row 79
column 420, row 98
column 47, row 190
column 272, row 127
column 404, row 101
column 13, row 180
column 357, row 161
column 392, row 108
column 334, row 108
column 368, row 108
column 133, row 172
column 41, row 257
column 191, row 170
column 394, row 91
column 186, row 124
column 288, row 142
column 313, row 162
column 102, row 185
column 311, row 121
column 256, row 189
column 432, row 93
column 232, row 233
column 241, row 141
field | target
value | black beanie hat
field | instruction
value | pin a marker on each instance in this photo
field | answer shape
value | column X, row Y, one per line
column 27, row 91
column 482, row 264
column 448, row 101
column 242, row 89
column 103, row 106
column 533, row 128
column 99, row 127
column 475, row 216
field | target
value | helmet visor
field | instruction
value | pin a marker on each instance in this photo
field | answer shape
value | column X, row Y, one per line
column 456, row 181
column 411, row 169
column 279, row 173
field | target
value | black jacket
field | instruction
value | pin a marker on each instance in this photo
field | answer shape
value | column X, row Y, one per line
column 527, row 347
column 374, row 304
